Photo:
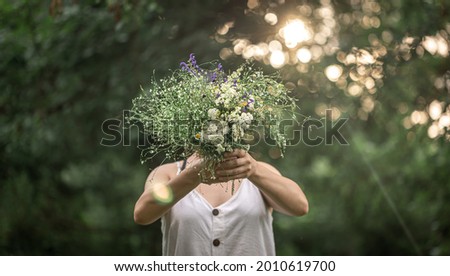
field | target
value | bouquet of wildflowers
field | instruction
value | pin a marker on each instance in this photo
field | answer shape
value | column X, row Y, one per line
column 203, row 110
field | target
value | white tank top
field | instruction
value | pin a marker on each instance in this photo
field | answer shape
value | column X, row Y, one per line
column 240, row 226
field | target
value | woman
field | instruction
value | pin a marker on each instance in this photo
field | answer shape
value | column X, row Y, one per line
column 205, row 219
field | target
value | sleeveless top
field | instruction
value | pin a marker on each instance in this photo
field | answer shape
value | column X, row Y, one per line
column 240, row 226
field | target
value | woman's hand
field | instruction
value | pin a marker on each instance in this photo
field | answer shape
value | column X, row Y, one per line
column 283, row 194
column 236, row 165
column 194, row 172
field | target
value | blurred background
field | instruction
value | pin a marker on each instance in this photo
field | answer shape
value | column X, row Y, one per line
column 68, row 66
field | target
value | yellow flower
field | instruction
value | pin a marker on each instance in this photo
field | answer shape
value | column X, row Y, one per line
column 243, row 104
column 198, row 136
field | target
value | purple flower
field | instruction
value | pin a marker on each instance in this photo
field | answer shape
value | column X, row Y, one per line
column 184, row 66
column 192, row 60
column 219, row 67
column 191, row 65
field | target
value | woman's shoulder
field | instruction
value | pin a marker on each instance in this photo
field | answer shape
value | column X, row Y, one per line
column 167, row 166
column 165, row 170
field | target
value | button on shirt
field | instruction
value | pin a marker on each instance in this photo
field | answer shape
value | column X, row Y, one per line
column 216, row 242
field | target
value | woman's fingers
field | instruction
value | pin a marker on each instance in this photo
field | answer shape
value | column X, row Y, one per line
column 234, row 177
column 235, row 153
column 232, row 163
column 237, row 164
column 234, row 171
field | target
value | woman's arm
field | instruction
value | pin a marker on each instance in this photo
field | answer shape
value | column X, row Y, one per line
column 283, row 194
column 147, row 209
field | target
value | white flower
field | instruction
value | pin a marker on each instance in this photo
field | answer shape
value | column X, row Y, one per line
column 219, row 100
column 225, row 128
column 213, row 113
column 234, row 116
column 214, row 139
column 245, row 120
column 238, row 132
column 212, row 128
column 221, row 128
column 220, row 148
column 229, row 89
column 227, row 103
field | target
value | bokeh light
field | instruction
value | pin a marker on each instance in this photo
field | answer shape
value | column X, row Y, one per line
column 436, row 45
column 277, row 59
column 419, row 117
column 433, row 131
column 304, row 55
column 307, row 34
column 333, row 72
column 435, row 110
column 294, row 33
column 271, row 18
column 440, row 117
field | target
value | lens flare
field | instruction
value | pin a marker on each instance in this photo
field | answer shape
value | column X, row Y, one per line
column 162, row 193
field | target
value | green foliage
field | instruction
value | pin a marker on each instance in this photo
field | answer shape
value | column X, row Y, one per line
column 63, row 75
